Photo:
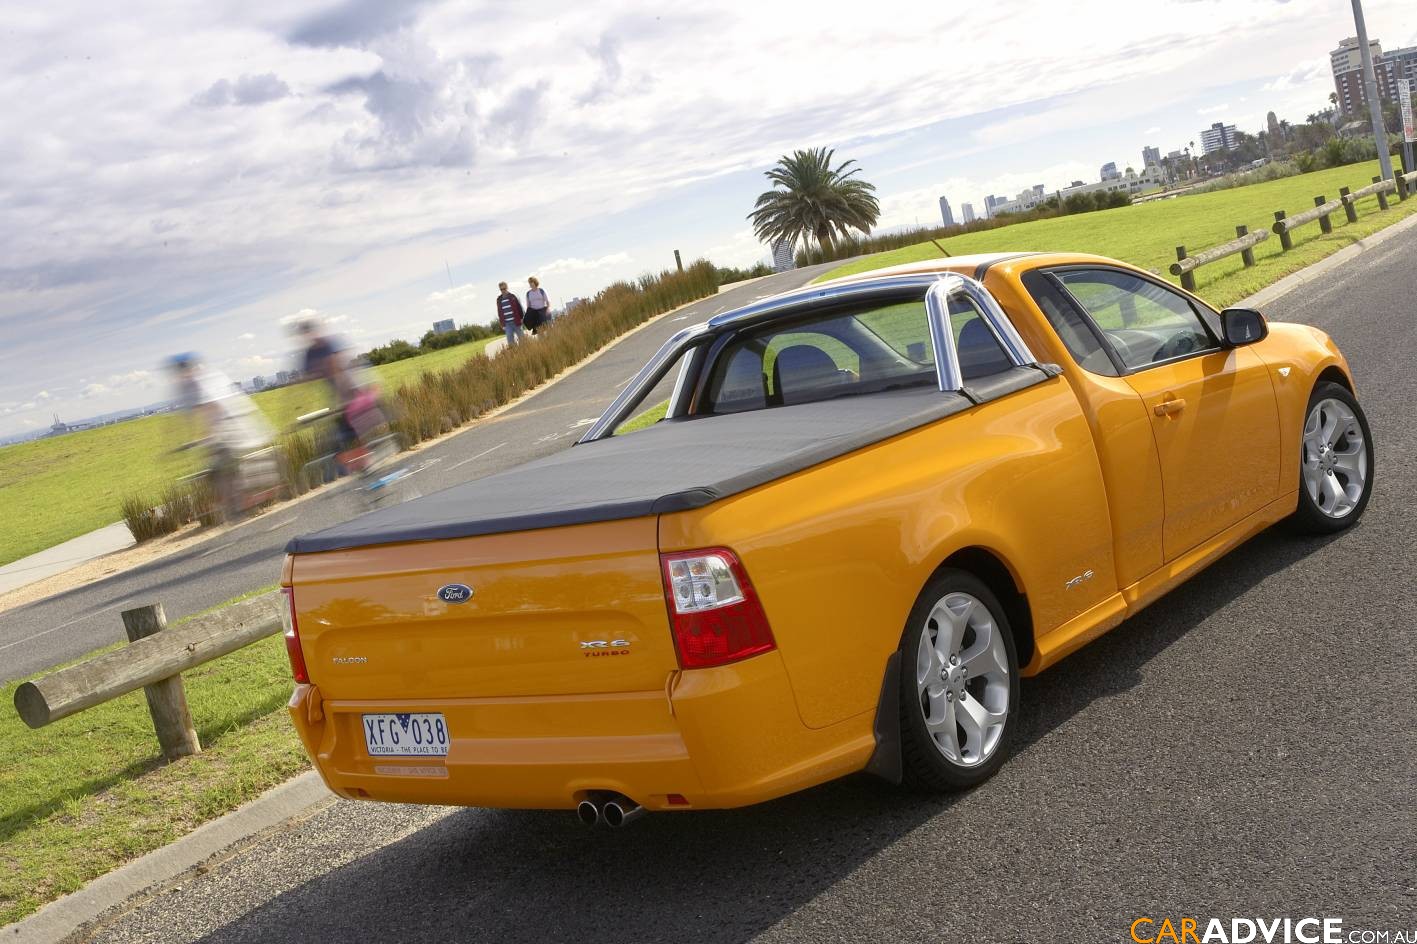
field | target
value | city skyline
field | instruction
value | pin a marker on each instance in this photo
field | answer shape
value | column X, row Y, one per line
column 381, row 166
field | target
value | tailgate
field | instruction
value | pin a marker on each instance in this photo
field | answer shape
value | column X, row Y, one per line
column 560, row 611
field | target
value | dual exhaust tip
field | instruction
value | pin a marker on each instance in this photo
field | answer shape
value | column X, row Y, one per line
column 614, row 810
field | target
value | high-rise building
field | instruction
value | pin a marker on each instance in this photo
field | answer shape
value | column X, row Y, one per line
column 1219, row 137
column 945, row 213
column 445, row 326
column 1150, row 155
column 1109, row 171
column 967, row 209
column 783, row 258
column 1347, row 63
column 990, row 202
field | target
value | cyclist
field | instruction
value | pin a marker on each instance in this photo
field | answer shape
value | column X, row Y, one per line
column 231, row 427
column 355, row 399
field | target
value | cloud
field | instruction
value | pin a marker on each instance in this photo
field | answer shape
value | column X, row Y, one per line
column 247, row 90
column 1213, row 109
column 355, row 22
column 248, row 336
column 1310, row 72
column 458, row 294
column 133, row 378
column 94, row 390
column 43, row 395
column 130, row 228
column 607, row 53
column 304, row 314
column 1152, row 130
column 575, row 264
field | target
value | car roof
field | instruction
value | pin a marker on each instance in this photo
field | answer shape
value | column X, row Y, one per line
column 975, row 265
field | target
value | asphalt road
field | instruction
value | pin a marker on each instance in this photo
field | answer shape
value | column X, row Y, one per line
column 1244, row 748
column 71, row 624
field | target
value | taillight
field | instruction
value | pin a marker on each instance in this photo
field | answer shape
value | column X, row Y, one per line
column 292, row 636
column 717, row 617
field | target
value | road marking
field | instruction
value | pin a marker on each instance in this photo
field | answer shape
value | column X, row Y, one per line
column 585, row 422
column 625, row 381
column 680, row 318
column 464, row 462
column 54, row 629
column 215, row 549
column 279, row 524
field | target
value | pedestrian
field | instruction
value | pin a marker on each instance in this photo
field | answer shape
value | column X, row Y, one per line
column 538, row 306
column 509, row 315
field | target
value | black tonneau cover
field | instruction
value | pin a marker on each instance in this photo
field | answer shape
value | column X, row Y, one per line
column 672, row 466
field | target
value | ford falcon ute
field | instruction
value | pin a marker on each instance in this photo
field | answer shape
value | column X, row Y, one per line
column 821, row 534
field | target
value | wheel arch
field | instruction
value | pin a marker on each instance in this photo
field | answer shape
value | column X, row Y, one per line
column 1335, row 374
column 995, row 571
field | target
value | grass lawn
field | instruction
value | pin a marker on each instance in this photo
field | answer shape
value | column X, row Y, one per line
column 1147, row 234
column 85, row 794
column 55, row 489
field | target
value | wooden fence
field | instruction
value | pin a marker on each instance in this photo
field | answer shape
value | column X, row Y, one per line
column 1404, row 185
column 154, row 660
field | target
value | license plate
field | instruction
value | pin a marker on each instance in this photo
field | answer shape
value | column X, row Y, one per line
column 422, row 734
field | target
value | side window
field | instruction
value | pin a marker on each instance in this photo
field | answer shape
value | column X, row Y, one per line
column 846, row 350
column 1076, row 334
column 1144, row 322
column 980, row 353
column 802, row 365
column 905, row 329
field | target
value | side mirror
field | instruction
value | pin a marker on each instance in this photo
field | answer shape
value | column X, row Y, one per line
column 1242, row 326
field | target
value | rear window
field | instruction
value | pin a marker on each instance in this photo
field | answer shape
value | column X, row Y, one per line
column 843, row 352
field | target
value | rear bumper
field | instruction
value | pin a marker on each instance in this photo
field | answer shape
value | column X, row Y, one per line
column 721, row 737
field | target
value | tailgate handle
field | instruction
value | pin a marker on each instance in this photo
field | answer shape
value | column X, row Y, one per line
column 1170, row 406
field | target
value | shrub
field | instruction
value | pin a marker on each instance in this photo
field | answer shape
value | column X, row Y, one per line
column 182, row 502
column 293, row 452
column 440, row 401
column 727, row 274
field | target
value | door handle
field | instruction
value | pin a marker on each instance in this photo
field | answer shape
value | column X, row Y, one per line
column 1170, row 407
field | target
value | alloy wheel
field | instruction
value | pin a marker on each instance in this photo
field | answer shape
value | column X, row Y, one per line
column 1335, row 458
column 962, row 679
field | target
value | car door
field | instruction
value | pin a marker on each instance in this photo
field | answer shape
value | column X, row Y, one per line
column 1212, row 409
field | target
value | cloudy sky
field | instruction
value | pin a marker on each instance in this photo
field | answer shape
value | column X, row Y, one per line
column 183, row 176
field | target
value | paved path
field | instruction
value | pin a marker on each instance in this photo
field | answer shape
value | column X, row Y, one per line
column 64, row 627
column 1243, row 748
column 61, row 557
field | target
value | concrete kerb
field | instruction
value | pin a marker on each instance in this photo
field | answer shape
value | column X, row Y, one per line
column 1325, row 265
column 60, row 920
column 66, row 917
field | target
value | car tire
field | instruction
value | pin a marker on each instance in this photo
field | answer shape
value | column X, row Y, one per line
column 958, row 685
column 1335, row 462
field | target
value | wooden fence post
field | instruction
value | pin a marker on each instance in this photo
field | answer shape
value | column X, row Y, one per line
column 1401, row 187
column 1349, row 210
column 1188, row 279
column 1286, row 242
column 677, row 261
column 1382, row 196
column 1324, row 223
column 167, row 702
column 1247, row 256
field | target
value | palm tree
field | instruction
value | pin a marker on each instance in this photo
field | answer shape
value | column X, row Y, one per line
column 811, row 199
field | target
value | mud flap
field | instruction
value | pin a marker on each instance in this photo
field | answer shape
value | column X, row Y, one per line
column 885, row 760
